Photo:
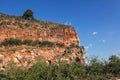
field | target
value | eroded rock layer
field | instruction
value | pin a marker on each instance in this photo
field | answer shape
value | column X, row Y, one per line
column 66, row 35
column 25, row 56
column 16, row 27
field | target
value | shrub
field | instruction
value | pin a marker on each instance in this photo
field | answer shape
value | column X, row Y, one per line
column 64, row 71
column 74, row 45
column 114, row 65
column 60, row 44
column 46, row 43
column 36, row 43
column 27, row 42
column 11, row 41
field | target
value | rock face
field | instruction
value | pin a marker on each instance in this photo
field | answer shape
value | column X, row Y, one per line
column 66, row 35
column 25, row 56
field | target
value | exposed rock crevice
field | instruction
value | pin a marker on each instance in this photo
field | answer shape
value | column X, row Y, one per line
column 66, row 35
column 15, row 27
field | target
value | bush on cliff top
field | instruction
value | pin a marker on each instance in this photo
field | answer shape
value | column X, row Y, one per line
column 28, row 15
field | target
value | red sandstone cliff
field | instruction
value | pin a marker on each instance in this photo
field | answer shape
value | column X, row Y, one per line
column 15, row 27
column 66, row 35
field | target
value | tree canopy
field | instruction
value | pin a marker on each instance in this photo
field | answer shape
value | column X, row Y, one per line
column 28, row 15
column 96, row 70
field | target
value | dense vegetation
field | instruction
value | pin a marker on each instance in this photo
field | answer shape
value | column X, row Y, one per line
column 95, row 70
column 13, row 41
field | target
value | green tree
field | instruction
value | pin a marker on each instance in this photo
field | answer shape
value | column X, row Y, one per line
column 37, row 72
column 12, row 72
column 114, row 65
column 28, row 15
column 95, row 67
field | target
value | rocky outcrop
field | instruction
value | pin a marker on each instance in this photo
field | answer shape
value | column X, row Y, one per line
column 15, row 27
column 66, row 35
column 25, row 56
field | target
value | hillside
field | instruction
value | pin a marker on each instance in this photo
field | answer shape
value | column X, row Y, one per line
column 17, row 27
column 25, row 42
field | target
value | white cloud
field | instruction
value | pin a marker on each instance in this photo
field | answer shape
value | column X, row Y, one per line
column 89, row 46
column 68, row 23
column 103, row 41
column 94, row 33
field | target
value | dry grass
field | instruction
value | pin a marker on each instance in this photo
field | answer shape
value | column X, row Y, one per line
column 22, row 23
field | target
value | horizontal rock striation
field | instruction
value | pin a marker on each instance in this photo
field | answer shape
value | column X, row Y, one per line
column 24, row 55
column 66, row 35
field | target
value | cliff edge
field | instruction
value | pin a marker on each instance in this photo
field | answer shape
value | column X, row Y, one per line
column 65, row 44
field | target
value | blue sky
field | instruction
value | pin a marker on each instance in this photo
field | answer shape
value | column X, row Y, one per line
column 97, row 22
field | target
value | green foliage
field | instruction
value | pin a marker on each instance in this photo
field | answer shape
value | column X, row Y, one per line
column 28, row 15
column 14, row 41
column 95, row 67
column 27, row 42
column 12, row 73
column 36, row 43
column 95, row 70
column 74, row 45
column 11, row 41
column 60, row 44
column 3, row 75
column 46, row 43
column 37, row 71
column 114, row 65
column 72, row 71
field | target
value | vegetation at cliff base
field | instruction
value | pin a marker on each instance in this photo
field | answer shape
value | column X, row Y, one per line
column 95, row 70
